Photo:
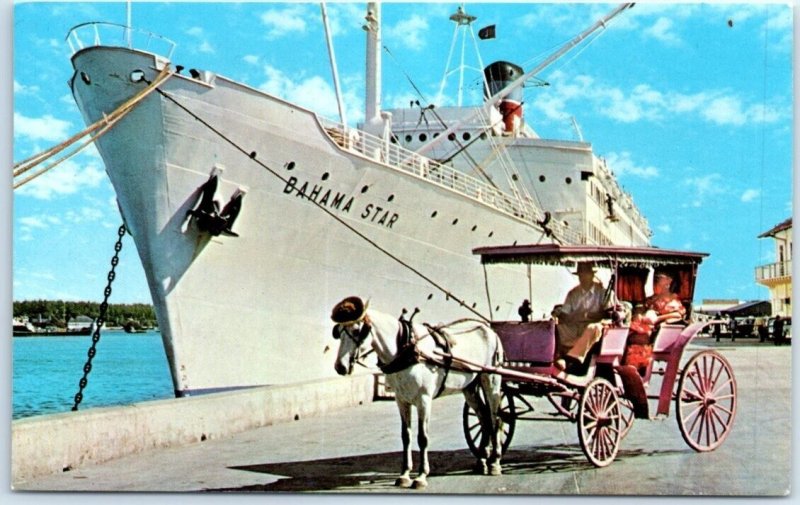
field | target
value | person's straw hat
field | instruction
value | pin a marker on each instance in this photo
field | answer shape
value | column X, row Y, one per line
column 585, row 267
column 350, row 310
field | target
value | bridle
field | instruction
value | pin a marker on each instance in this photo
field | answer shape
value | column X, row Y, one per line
column 358, row 339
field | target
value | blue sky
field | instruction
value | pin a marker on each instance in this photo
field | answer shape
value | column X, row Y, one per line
column 691, row 105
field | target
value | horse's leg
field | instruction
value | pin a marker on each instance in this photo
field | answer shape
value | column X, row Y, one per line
column 405, row 435
column 475, row 403
column 492, row 392
column 423, row 414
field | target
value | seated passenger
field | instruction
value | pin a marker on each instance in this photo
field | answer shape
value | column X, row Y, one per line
column 663, row 307
column 579, row 317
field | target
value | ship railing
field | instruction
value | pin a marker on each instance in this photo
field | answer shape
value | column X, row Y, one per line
column 101, row 33
column 398, row 157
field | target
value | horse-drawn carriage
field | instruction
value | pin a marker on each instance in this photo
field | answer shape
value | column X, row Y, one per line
column 605, row 400
column 503, row 367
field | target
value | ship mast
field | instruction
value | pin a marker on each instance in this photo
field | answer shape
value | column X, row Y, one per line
column 463, row 23
column 493, row 100
column 372, row 105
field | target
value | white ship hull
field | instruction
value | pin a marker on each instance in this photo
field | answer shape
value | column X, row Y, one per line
column 254, row 309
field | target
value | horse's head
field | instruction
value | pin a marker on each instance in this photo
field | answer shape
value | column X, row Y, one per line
column 352, row 330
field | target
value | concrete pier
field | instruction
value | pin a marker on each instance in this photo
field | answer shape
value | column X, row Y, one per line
column 356, row 448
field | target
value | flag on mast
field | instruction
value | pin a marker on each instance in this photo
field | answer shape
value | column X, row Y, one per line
column 487, row 32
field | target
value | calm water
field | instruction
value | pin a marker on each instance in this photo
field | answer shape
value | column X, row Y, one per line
column 127, row 368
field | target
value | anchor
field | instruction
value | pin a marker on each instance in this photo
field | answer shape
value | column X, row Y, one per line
column 207, row 213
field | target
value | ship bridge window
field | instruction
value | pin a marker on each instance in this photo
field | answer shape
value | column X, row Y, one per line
column 136, row 76
column 85, row 77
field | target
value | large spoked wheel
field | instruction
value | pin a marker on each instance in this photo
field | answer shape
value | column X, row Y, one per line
column 626, row 411
column 600, row 422
column 706, row 401
column 473, row 430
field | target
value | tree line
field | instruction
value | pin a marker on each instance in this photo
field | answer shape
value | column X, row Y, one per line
column 58, row 313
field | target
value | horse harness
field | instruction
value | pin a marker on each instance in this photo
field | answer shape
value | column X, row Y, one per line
column 408, row 354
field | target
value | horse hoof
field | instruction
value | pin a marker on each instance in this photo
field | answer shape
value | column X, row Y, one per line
column 496, row 469
column 420, row 483
column 403, row 482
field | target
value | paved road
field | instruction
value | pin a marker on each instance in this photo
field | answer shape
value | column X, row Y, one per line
column 358, row 450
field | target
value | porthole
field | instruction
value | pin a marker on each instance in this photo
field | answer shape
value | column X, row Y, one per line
column 475, row 227
column 568, row 180
column 408, row 139
column 455, row 221
column 289, row 166
column 85, row 77
column 514, row 177
column 451, row 137
column 542, row 178
column 365, row 189
column 435, row 212
column 423, row 137
column 430, row 296
column 393, row 139
column 483, row 136
column 466, row 136
column 435, row 134
column 325, row 176
column 391, row 197
column 491, row 233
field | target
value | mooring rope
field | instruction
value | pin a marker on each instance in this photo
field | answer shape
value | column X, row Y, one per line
column 103, row 125
column 253, row 156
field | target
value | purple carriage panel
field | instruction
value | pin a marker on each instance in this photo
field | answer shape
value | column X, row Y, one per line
column 613, row 344
column 531, row 342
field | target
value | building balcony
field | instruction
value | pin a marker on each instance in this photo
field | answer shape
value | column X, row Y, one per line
column 774, row 272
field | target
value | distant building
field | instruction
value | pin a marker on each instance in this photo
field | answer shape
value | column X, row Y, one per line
column 715, row 306
column 80, row 323
column 777, row 277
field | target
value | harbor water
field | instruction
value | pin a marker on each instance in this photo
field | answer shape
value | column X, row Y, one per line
column 127, row 368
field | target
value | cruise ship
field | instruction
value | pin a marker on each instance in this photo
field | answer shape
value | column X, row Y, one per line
column 253, row 216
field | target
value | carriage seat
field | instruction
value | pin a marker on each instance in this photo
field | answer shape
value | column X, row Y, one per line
column 530, row 344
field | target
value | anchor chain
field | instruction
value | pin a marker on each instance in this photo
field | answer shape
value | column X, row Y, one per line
column 101, row 319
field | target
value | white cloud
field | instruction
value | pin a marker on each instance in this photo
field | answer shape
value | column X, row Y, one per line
column 750, row 195
column 409, row 32
column 45, row 128
column 282, row 22
column 21, row 89
column 703, row 187
column 251, row 59
column 66, row 178
column 725, row 110
column 314, row 93
column 662, row 30
column 645, row 102
column 622, row 165
column 664, row 228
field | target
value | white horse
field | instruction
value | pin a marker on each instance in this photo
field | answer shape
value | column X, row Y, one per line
column 421, row 371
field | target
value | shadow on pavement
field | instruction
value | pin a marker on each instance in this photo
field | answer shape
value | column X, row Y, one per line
column 379, row 471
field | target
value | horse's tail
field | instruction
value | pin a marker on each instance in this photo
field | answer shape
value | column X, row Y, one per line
column 499, row 356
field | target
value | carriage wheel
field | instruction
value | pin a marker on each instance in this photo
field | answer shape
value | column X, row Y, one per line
column 600, row 422
column 472, row 424
column 626, row 412
column 706, row 401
